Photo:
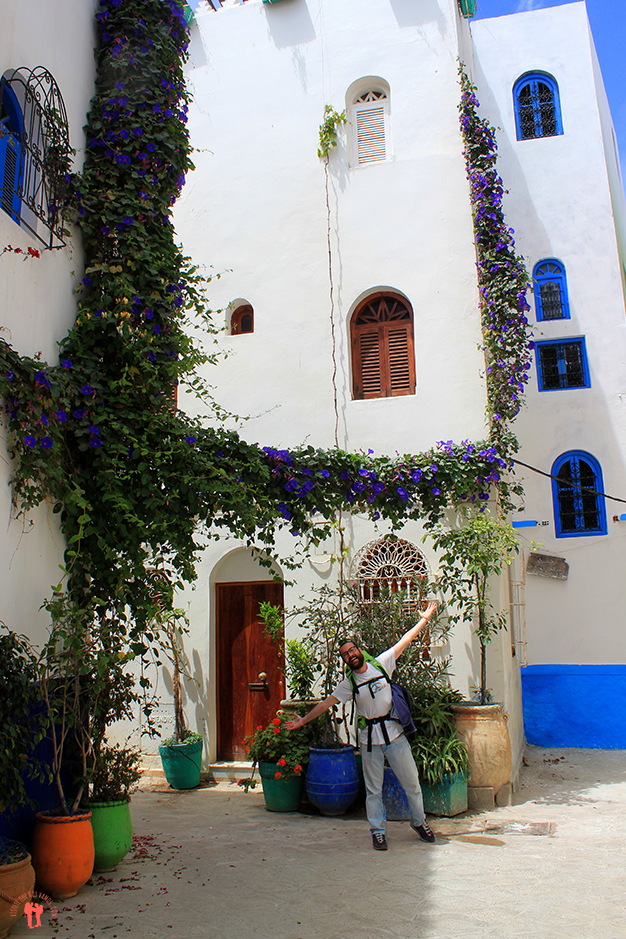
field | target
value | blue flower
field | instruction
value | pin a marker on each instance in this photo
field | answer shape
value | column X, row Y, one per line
column 137, row 131
column 40, row 378
column 324, row 473
column 79, row 414
column 87, row 389
column 128, row 220
column 95, row 431
column 403, row 493
column 344, row 475
column 124, row 134
column 66, row 363
column 44, row 420
column 46, row 443
column 151, row 147
column 30, row 441
column 87, row 281
column 191, row 440
column 417, row 475
column 219, row 455
column 10, row 375
column 436, row 492
column 156, row 328
column 149, row 314
column 61, row 416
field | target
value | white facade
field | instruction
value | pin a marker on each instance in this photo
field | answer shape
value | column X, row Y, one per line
column 255, row 210
column 38, row 303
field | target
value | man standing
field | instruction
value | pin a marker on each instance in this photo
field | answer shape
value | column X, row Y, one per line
column 382, row 736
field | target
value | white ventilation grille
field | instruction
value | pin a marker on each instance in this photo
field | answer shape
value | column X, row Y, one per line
column 370, row 135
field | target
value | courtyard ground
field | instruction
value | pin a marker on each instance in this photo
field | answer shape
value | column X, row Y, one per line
column 213, row 863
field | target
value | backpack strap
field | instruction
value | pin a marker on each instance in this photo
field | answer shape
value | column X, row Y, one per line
column 356, row 688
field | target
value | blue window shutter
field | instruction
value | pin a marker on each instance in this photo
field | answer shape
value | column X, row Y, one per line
column 579, row 509
column 10, row 172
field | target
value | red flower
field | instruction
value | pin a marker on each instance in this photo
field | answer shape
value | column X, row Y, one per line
column 277, row 775
column 282, row 762
column 260, row 727
column 297, row 769
column 276, row 721
column 277, row 730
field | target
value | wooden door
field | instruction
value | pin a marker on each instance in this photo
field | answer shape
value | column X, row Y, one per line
column 244, row 698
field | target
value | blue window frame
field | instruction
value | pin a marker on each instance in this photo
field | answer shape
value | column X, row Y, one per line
column 537, row 106
column 11, row 154
column 579, row 507
column 550, row 287
column 562, row 364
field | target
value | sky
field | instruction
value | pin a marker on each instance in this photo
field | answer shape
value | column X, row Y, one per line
column 608, row 24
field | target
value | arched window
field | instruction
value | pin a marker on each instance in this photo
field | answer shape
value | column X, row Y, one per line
column 383, row 356
column 579, row 508
column 242, row 320
column 34, row 152
column 550, row 287
column 391, row 565
column 537, row 106
column 368, row 111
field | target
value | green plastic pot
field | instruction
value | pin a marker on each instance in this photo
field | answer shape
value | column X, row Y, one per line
column 112, row 832
column 181, row 763
column 281, row 795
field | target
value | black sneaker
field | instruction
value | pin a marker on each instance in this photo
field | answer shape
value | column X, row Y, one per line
column 424, row 832
column 379, row 842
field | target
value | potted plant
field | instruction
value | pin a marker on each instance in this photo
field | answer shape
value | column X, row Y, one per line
column 282, row 757
column 470, row 556
column 181, row 754
column 116, row 774
column 440, row 755
column 17, row 880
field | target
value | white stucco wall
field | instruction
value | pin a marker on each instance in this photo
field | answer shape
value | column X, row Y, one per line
column 36, row 295
column 561, row 201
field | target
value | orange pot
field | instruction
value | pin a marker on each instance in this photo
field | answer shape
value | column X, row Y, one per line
column 16, row 881
column 63, row 853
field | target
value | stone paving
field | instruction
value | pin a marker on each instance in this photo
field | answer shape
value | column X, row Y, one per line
column 214, row 863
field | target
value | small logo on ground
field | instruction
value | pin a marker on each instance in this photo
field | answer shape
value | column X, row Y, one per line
column 35, row 904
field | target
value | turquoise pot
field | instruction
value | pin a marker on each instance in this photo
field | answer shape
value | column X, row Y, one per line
column 281, row 795
column 181, row 763
column 112, row 832
column 446, row 798
column 332, row 781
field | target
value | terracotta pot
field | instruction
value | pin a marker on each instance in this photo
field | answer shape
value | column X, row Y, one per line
column 483, row 730
column 63, row 853
column 15, row 881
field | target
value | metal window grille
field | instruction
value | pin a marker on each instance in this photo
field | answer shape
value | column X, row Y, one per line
column 562, row 365
column 551, row 301
column 43, row 153
column 537, row 110
column 579, row 509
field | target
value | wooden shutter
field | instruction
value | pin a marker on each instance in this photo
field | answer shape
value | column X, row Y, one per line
column 370, row 135
column 399, row 363
column 369, row 361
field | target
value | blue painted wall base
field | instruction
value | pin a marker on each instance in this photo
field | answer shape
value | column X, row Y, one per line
column 575, row 706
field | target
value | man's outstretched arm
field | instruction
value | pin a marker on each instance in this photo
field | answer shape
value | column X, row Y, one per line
column 315, row 712
column 414, row 632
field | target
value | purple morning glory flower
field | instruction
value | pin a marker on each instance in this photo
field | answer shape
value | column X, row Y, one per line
column 436, row 492
column 87, row 389
column 44, row 420
column 10, row 375
column 403, row 493
column 61, row 416
column 191, row 440
column 128, row 220
column 151, row 147
column 156, row 328
column 137, row 131
column 66, row 363
column 149, row 314
column 219, row 455
column 46, row 443
column 95, row 442
column 94, row 430
column 30, row 441
column 79, row 414
column 40, row 378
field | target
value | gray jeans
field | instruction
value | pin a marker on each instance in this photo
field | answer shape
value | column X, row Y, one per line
column 400, row 759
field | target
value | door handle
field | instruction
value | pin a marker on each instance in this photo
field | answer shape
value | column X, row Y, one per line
column 261, row 684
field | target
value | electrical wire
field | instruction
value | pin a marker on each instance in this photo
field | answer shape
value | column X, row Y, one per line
column 565, row 483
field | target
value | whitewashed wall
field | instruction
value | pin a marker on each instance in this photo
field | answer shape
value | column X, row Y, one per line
column 36, row 296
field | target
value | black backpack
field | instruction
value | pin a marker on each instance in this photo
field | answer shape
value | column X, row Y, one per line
column 401, row 703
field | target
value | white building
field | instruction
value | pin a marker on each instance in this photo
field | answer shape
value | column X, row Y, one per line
column 46, row 54
column 298, row 270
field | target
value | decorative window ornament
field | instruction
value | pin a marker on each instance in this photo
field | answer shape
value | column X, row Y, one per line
column 537, row 107
column 579, row 509
column 390, row 565
column 383, row 355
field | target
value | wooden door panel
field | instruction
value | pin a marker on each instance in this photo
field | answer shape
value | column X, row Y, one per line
column 243, row 652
